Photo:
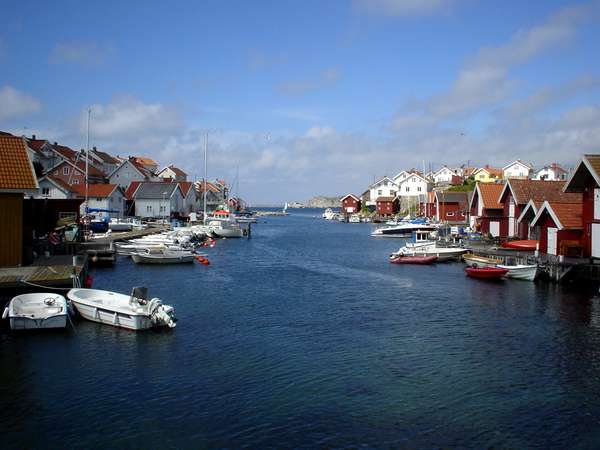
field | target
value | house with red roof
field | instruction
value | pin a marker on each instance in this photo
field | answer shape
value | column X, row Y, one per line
column 452, row 207
column 215, row 194
column 190, row 197
column 54, row 188
column 148, row 163
column 103, row 161
column 560, row 228
column 73, row 173
column 350, row 203
column 387, row 206
column 172, row 173
column 487, row 174
column 485, row 210
column 108, row 198
column 521, row 194
column 517, row 169
column 427, row 205
column 17, row 179
column 585, row 180
column 552, row 172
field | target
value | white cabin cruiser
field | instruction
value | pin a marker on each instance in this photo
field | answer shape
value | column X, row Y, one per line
column 423, row 246
column 133, row 312
column 403, row 229
column 329, row 214
column 37, row 311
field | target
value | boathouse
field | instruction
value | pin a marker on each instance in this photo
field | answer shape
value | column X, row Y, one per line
column 387, row 206
column 350, row 204
column 485, row 210
column 17, row 179
column 451, row 207
column 427, row 205
column 560, row 228
column 585, row 179
column 517, row 194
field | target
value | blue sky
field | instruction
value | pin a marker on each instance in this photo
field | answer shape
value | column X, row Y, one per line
column 307, row 97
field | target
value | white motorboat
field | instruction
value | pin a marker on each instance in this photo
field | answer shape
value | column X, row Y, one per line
column 37, row 311
column 354, row 218
column 162, row 256
column 403, row 229
column 422, row 246
column 329, row 214
column 120, row 225
column 134, row 312
column 520, row 271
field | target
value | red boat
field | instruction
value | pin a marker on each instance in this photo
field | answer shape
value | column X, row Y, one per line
column 487, row 273
column 413, row 259
column 526, row 245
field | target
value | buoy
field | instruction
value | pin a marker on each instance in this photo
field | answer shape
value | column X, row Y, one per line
column 205, row 261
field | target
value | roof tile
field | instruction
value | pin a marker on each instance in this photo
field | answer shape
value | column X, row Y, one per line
column 16, row 171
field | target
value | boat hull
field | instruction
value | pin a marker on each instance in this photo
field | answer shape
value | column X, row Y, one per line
column 116, row 319
column 486, row 273
column 28, row 323
column 153, row 259
column 413, row 259
column 31, row 312
column 527, row 273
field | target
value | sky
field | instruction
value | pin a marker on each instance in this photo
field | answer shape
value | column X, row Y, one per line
column 307, row 97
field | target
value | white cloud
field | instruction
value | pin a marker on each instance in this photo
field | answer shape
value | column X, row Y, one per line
column 402, row 7
column 15, row 104
column 90, row 54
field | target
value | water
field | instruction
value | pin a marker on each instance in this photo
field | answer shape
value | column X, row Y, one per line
column 305, row 336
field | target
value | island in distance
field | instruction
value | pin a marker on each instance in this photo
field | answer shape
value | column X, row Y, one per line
column 317, row 202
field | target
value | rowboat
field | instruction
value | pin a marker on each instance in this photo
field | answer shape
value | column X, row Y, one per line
column 37, row 311
column 480, row 261
column 520, row 271
column 524, row 245
column 486, row 273
column 162, row 256
column 413, row 259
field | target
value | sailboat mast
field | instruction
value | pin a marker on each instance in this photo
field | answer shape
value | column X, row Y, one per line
column 205, row 175
column 87, row 159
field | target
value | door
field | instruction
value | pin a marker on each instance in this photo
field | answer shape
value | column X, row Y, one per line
column 495, row 229
column 596, row 240
column 552, row 240
column 511, row 219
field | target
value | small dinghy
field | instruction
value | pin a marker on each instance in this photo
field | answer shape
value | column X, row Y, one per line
column 162, row 256
column 413, row 259
column 37, row 311
column 486, row 273
column 520, row 271
column 133, row 312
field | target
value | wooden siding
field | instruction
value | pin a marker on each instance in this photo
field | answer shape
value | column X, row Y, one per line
column 11, row 229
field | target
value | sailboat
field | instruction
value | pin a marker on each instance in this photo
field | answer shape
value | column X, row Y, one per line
column 285, row 208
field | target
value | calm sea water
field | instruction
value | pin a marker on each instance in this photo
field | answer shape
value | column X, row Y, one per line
column 305, row 336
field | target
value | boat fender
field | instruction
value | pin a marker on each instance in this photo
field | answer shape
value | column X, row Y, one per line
column 5, row 313
column 89, row 281
column 245, row 232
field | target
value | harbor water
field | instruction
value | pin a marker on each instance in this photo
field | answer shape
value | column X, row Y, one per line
column 305, row 336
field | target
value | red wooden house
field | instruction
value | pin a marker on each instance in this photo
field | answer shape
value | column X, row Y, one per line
column 560, row 228
column 350, row 204
column 74, row 173
column 521, row 194
column 485, row 210
column 387, row 206
column 585, row 179
column 427, row 205
column 452, row 207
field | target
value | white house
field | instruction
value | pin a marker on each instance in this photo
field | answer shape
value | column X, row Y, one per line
column 414, row 185
column 400, row 177
column 553, row 172
column 190, row 198
column 127, row 172
column 54, row 188
column 106, row 197
column 443, row 176
column 516, row 169
column 103, row 161
column 382, row 188
column 158, row 200
column 173, row 173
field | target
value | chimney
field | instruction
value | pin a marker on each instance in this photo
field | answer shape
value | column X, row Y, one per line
column 33, row 137
column 94, row 148
column 55, row 143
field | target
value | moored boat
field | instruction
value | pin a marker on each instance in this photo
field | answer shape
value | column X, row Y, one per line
column 400, row 259
column 133, row 311
column 354, row 218
column 527, row 245
column 520, row 271
column 37, row 311
column 480, row 261
column 162, row 256
column 487, row 273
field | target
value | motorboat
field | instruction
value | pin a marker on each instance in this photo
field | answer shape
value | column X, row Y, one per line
column 162, row 256
column 329, row 214
column 402, row 259
column 404, row 229
column 119, row 225
column 486, row 273
column 527, row 245
column 134, row 312
column 421, row 245
column 37, row 311
column 520, row 271
column 354, row 218
column 480, row 261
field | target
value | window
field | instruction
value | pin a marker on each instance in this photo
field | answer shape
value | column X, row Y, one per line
column 392, row 193
column 407, row 188
column 385, row 183
column 450, row 214
column 163, row 208
column 149, row 208
column 413, row 179
column 418, row 188
column 98, row 199
column 379, row 192
column 76, row 181
column 66, row 170
column 45, row 191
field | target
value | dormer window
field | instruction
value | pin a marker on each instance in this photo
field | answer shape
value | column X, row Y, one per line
column 66, row 170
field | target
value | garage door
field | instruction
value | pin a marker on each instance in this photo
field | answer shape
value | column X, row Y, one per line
column 596, row 240
column 495, row 229
column 552, row 240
